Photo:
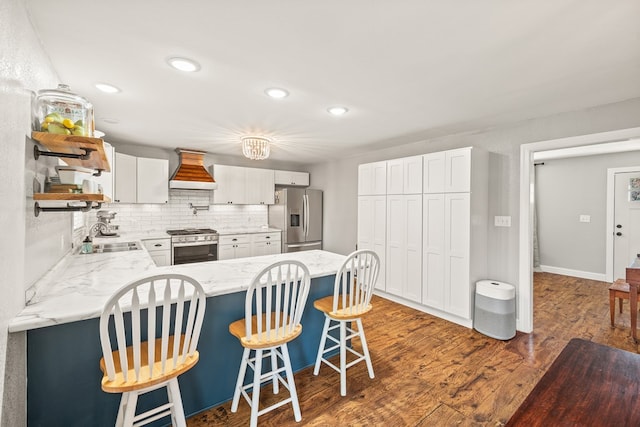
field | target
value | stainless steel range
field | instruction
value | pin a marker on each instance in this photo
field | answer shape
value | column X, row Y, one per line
column 193, row 245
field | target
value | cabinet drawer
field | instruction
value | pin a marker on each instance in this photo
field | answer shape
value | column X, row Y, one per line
column 157, row 244
column 266, row 237
column 234, row 238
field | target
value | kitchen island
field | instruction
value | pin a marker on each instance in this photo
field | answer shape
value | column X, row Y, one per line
column 63, row 342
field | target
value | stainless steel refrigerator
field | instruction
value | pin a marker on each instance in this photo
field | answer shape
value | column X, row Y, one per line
column 298, row 213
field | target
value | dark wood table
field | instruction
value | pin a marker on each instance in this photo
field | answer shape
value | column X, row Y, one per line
column 588, row 384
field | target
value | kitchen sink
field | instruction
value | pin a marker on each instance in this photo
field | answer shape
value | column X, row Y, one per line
column 99, row 248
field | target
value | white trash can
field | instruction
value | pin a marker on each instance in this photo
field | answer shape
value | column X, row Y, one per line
column 495, row 309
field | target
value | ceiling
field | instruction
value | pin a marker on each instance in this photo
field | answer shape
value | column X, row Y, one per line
column 406, row 70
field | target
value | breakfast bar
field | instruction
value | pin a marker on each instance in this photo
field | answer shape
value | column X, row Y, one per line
column 63, row 343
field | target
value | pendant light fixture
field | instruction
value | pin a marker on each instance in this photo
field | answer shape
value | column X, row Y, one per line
column 255, row 147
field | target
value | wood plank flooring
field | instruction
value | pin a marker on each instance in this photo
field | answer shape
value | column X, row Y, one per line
column 430, row 372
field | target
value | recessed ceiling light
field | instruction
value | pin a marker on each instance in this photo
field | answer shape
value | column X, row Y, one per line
column 338, row 111
column 107, row 88
column 276, row 92
column 183, row 64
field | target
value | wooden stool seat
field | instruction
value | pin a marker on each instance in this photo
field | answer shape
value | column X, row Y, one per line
column 619, row 289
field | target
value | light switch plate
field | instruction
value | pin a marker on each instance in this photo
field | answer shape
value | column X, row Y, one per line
column 502, row 221
column 585, row 218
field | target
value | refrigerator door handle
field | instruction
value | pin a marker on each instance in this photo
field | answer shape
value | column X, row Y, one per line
column 305, row 210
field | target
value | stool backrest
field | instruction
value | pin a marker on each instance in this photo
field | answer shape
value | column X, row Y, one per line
column 174, row 306
column 355, row 282
column 276, row 297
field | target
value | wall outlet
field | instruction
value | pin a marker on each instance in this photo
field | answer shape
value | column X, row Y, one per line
column 585, row 218
column 502, row 221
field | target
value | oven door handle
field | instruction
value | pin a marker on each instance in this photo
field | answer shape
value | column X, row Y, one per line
column 201, row 243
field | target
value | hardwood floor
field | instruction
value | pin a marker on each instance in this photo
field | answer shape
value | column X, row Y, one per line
column 430, row 372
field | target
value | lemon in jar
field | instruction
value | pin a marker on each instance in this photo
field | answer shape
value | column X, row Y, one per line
column 68, row 123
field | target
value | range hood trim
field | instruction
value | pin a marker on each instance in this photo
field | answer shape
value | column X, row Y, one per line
column 198, row 177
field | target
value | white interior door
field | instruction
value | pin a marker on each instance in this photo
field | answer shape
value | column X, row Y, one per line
column 626, row 227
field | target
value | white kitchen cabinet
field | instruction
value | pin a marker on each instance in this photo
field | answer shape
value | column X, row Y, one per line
column 291, row 178
column 234, row 246
column 125, row 179
column 372, row 179
column 141, row 180
column 404, row 176
column 266, row 243
column 404, row 246
column 152, row 185
column 160, row 250
column 232, row 185
column 448, row 171
column 243, row 186
column 372, row 227
column 457, row 283
column 260, row 189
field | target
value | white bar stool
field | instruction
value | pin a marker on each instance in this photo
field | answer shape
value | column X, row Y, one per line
column 351, row 299
column 273, row 309
column 151, row 357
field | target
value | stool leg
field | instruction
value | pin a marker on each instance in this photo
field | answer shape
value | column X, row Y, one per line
column 130, row 408
column 274, row 368
column 240, row 380
column 291, row 383
column 612, row 306
column 323, row 340
column 255, row 391
column 343, row 358
column 365, row 348
column 177, row 411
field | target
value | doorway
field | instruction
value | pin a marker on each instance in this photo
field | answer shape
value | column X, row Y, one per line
column 613, row 140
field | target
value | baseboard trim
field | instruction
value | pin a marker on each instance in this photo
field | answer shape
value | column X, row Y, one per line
column 574, row 273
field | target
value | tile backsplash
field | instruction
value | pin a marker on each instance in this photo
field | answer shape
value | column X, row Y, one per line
column 178, row 214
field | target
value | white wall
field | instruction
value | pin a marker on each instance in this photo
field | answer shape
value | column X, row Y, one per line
column 566, row 189
column 339, row 178
column 24, row 67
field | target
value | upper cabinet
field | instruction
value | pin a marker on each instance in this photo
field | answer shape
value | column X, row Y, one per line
column 372, row 179
column 243, row 186
column 292, row 178
column 404, row 176
column 141, row 179
column 448, row 171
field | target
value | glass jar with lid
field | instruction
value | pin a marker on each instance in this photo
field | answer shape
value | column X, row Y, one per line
column 63, row 112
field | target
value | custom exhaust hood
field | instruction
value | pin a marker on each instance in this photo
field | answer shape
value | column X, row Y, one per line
column 191, row 173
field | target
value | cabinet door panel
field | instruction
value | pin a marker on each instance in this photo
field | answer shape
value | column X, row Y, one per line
column 231, row 185
column 395, row 176
column 152, row 180
column 396, row 229
column 413, row 247
column 260, row 188
column 457, row 240
column 433, row 172
column 412, row 175
column 433, row 251
column 458, row 170
column 125, row 179
column 372, row 230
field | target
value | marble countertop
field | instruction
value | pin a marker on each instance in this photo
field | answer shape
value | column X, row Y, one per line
column 79, row 285
column 227, row 231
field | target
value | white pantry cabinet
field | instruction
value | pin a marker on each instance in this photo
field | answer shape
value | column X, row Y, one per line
column 404, row 176
column 448, row 171
column 141, row 180
column 372, row 179
column 372, row 230
column 404, row 246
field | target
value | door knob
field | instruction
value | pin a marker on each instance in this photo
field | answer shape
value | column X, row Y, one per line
column 618, row 234
column 619, row 226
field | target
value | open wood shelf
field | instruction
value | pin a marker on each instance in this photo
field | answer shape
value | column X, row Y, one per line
column 76, row 145
column 101, row 198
